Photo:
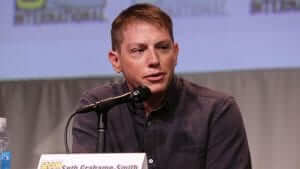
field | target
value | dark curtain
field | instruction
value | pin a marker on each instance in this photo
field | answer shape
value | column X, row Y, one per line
column 37, row 111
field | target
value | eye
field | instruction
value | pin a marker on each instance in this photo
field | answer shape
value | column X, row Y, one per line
column 164, row 46
column 137, row 50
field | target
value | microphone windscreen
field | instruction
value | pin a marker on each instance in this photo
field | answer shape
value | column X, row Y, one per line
column 140, row 94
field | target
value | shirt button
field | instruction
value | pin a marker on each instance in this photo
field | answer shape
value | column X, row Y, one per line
column 150, row 161
column 148, row 123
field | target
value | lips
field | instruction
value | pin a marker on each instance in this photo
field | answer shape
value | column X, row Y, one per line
column 155, row 77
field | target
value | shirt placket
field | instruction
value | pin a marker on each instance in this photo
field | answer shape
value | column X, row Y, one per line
column 149, row 142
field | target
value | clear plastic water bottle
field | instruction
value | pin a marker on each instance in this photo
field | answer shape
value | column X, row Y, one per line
column 5, row 157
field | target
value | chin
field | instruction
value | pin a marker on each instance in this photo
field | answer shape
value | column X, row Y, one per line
column 157, row 89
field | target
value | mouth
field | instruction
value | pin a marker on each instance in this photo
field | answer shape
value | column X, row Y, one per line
column 155, row 77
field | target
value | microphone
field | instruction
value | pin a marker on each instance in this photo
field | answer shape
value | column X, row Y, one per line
column 139, row 94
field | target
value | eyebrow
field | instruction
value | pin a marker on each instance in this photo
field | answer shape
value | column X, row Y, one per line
column 139, row 44
column 164, row 42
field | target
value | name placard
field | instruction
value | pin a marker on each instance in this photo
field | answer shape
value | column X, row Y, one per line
column 93, row 161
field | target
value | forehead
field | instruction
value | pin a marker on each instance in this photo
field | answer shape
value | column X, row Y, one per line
column 141, row 30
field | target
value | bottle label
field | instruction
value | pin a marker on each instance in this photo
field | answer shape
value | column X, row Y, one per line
column 5, row 160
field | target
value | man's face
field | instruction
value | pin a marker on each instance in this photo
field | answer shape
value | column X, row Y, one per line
column 147, row 56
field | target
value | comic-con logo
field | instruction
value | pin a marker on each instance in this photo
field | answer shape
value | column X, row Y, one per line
column 189, row 7
column 58, row 11
column 30, row 4
column 51, row 165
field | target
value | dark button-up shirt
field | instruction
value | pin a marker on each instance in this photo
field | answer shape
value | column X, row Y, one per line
column 195, row 128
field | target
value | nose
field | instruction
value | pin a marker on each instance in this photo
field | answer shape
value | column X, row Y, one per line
column 153, row 59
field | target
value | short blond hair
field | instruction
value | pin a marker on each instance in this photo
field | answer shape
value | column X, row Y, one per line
column 139, row 12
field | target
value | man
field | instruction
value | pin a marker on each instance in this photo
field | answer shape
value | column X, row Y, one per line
column 182, row 125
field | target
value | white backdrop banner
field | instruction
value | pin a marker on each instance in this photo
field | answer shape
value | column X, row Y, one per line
column 67, row 38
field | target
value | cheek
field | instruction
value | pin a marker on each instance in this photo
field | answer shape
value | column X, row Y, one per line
column 132, row 69
column 170, row 62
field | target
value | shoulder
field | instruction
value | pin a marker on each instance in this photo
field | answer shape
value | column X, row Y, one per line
column 208, row 102
column 202, row 93
column 218, row 107
column 108, row 89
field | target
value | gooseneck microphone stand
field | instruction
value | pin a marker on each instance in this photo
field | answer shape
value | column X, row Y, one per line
column 101, row 129
column 102, row 107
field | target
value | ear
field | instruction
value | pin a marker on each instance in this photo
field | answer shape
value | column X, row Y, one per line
column 176, row 51
column 114, row 59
